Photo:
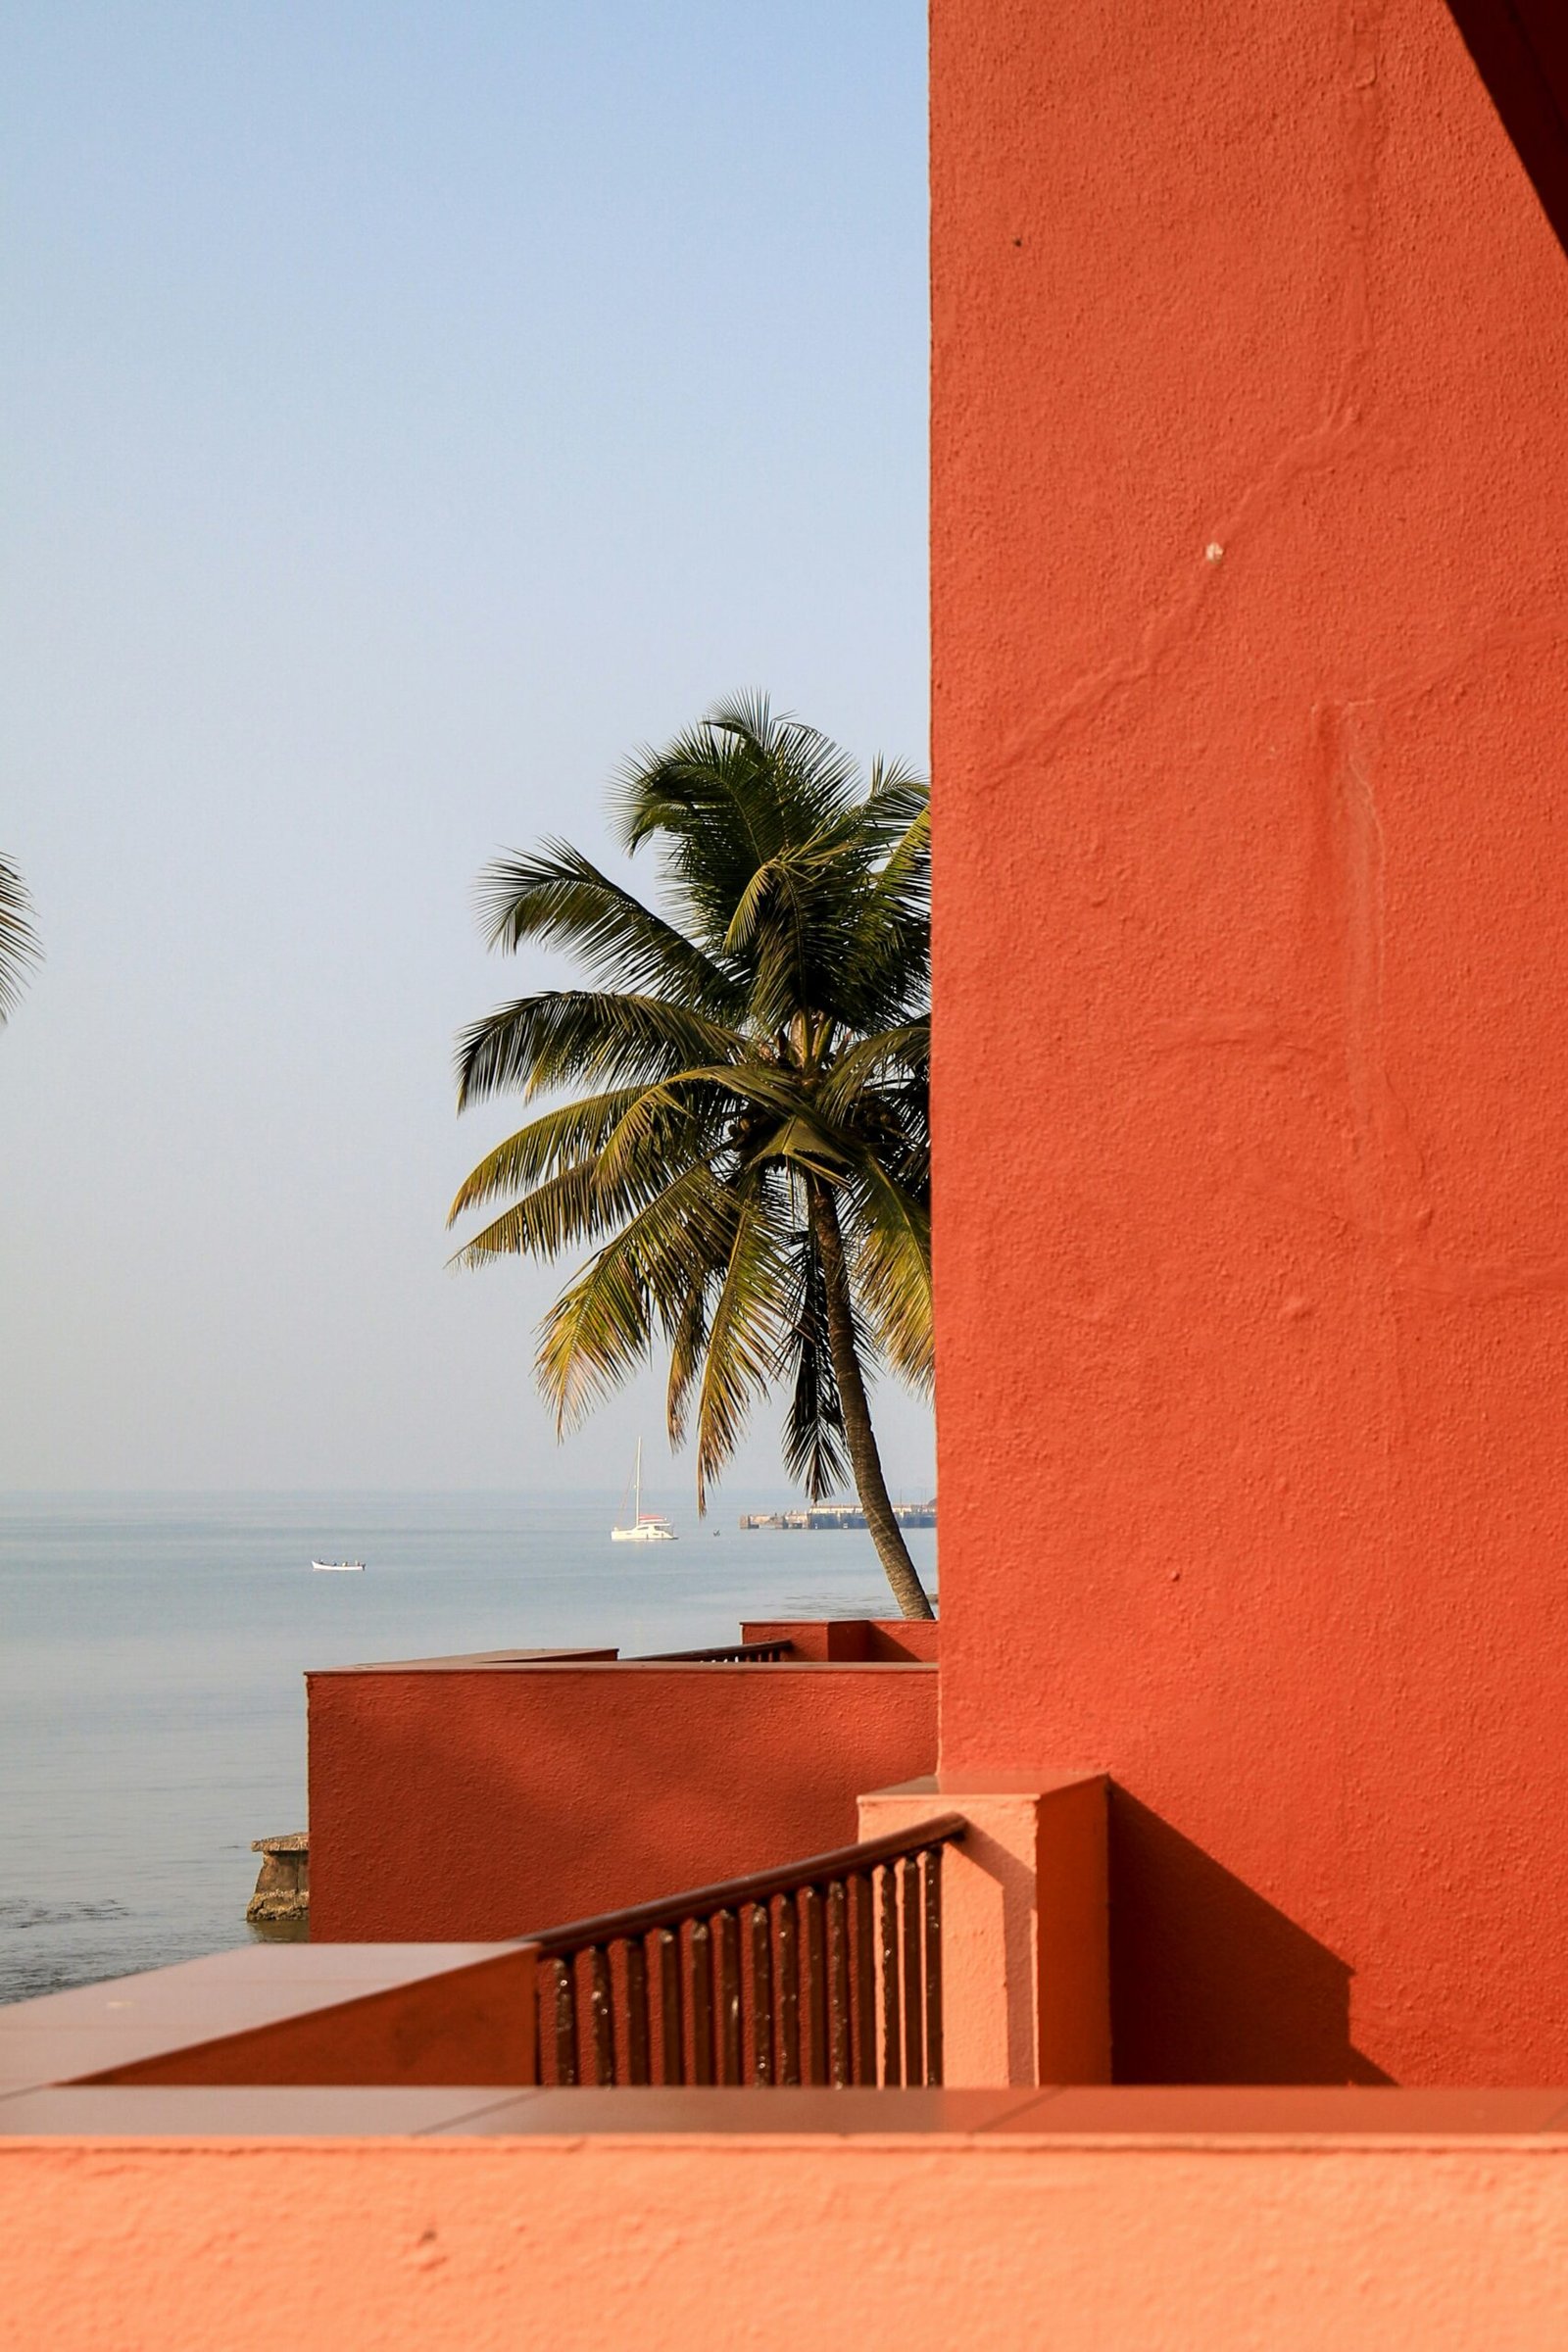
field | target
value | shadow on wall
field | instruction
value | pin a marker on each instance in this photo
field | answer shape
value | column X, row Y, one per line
column 1520, row 49
column 1209, row 1983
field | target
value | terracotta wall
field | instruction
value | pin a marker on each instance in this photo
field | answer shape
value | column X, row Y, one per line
column 484, row 1802
column 839, row 2245
column 885, row 1640
column 268, row 2014
column 1250, row 605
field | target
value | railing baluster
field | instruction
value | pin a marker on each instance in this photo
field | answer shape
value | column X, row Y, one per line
column 671, row 2038
column 734, row 1653
column 638, row 2069
column 789, row 1987
column 699, row 1985
column 763, row 1993
column 863, row 1957
column 838, row 1985
column 566, row 2021
column 813, row 1968
column 601, row 2015
column 727, row 1986
column 892, row 2043
column 909, row 1939
column 932, row 1859
column 865, row 1977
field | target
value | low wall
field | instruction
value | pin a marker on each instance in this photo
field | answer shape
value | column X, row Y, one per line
column 474, row 1801
column 840, row 2244
column 385, row 2016
column 887, row 1640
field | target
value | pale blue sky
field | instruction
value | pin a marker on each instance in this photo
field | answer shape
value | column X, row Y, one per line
column 408, row 409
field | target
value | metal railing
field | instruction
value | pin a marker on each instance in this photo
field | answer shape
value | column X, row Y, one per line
column 733, row 1654
column 826, row 1970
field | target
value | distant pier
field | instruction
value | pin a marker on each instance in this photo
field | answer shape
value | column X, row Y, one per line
column 841, row 1514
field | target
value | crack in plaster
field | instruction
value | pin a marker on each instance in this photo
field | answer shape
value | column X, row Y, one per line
column 1387, row 1170
column 1414, row 682
column 1312, row 452
column 1412, row 1266
column 1390, row 1209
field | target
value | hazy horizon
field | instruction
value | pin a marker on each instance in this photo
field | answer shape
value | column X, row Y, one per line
column 408, row 413
column 760, row 1488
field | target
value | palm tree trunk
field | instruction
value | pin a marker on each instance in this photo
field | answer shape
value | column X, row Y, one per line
column 864, row 1459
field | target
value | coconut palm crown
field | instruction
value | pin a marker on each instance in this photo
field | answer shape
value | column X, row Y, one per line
column 751, row 1166
column 18, row 942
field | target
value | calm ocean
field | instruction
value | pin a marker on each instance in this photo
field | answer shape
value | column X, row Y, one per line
column 152, row 1712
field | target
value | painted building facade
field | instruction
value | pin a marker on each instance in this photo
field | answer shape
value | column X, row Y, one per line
column 1251, row 660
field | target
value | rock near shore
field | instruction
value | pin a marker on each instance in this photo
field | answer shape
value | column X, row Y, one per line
column 284, row 1881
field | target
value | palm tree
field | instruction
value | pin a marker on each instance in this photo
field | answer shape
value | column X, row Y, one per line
column 754, row 1160
column 18, row 942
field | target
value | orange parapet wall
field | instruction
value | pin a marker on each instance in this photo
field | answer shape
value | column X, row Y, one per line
column 1004, row 2240
column 1250, row 725
column 447, row 1793
column 863, row 1641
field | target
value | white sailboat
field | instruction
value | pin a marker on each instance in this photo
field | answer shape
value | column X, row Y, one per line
column 647, row 1526
column 338, row 1567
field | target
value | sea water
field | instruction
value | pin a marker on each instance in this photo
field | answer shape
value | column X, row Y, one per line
column 151, row 1650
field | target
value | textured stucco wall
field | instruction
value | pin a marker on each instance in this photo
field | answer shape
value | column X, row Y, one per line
column 843, row 2245
column 1250, row 605
column 474, row 1802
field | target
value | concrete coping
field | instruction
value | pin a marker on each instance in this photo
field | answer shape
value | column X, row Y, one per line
column 817, row 1641
column 349, row 2042
column 1214, row 2117
column 607, row 1664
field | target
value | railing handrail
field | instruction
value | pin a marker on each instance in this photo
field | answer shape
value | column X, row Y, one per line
column 640, row 1919
column 732, row 1652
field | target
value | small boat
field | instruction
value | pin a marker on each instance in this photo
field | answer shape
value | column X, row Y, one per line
column 338, row 1567
column 647, row 1526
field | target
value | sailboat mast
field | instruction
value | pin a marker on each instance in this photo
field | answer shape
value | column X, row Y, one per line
column 637, row 1508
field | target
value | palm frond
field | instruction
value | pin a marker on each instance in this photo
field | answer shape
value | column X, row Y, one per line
column 688, row 1343
column 560, row 1034
column 19, row 940
column 814, row 1423
column 560, row 897
column 577, row 1205
column 707, row 798
column 568, row 1208
column 904, row 1051
column 892, row 1270
column 897, row 798
column 556, row 1139
column 742, row 1339
column 602, row 1327
column 803, row 1142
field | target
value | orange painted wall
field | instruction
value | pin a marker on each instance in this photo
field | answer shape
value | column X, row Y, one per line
column 884, row 1640
column 1250, row 615
column 842, row 2245
column 268, row 2015
column 478, row 1802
